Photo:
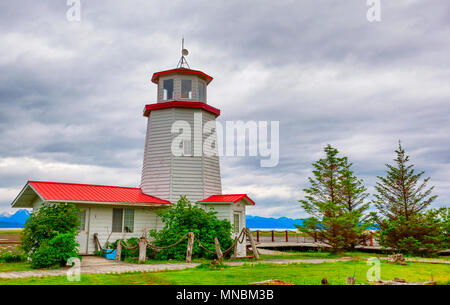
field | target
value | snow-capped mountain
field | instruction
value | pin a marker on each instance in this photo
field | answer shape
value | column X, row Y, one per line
column 14, row 220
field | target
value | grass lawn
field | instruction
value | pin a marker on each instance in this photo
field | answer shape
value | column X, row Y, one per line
column 9, row 267
column 300, row 274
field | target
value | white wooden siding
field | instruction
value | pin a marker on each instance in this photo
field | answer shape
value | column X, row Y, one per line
column 156, row 167
column 226, row 211
column 100, row 221
column 167, row 176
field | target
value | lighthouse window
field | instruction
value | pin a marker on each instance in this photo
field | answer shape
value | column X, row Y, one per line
column 187, row 148
column 201, row 92
column 168, row 89
column 186, row 88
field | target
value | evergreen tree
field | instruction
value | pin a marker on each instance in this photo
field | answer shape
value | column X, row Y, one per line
column 402, row 199
column 401, row 193
column 335, row 201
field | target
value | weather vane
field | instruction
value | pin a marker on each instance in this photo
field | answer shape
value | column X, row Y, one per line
column 184, row 52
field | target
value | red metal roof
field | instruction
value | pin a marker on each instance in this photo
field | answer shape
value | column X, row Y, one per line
column 156, row 75
column 180, row 104
column 91, row 192
column 227, row 198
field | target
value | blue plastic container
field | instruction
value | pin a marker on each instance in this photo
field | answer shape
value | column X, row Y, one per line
column 109, row 254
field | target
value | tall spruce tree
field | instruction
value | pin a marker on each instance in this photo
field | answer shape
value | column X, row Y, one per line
column 401, row 193
column 402, row 199
column 335, row 201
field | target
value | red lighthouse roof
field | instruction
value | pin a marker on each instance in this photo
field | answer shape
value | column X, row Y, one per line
column 206, row 77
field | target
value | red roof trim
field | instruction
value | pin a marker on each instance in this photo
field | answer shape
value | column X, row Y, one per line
column 92, row 193
column 156, row 75
column 180, row 104
column 227, row 198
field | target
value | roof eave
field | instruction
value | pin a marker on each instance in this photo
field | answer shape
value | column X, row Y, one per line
column 109, row 203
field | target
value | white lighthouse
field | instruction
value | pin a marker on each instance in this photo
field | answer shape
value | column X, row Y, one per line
column 180, row 156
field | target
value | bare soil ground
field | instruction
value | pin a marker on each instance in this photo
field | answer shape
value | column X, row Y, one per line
column 9, row 240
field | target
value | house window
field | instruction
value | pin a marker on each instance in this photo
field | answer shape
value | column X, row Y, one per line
column 123, row 220
column 201, row 92
column 82, row 219
column 186, row 88
column 128, row 221
column 187, row 148
column 117, row 220
column 236, row 224
column 168, row 89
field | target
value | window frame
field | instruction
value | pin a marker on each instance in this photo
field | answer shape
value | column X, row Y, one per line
column 234, row 222
column 189, row 96
column 189, row 152
column 123, row 212
column 202, row 84
column 84, row 212
column 124, row 229
column 164, row 97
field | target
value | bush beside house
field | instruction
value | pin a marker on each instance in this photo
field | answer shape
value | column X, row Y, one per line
column 186, row 217
column 49, row 235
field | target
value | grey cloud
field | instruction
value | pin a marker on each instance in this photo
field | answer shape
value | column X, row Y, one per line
column 73, row 93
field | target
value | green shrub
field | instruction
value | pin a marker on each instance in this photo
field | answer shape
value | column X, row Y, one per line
column 186, row 217
column 131, row 242
column 10, row 257
column 49, row 235
column 55, row 252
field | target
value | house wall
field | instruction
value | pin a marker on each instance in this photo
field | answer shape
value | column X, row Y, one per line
column 100, row 221
column 227, row 211
column 37, row 203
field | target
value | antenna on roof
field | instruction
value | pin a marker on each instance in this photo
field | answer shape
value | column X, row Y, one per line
column 184, row 52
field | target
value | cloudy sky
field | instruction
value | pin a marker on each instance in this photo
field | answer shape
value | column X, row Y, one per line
column 72, row 93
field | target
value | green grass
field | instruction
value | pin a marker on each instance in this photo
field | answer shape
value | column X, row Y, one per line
column 300, row 274
column 18, row 232
column 9, row 267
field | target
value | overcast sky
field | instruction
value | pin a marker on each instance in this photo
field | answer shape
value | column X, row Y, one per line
column 72, row 93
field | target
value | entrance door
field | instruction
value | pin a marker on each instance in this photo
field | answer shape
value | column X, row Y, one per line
column 83, row 232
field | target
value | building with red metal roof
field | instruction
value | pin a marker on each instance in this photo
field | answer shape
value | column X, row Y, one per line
column 115, row 212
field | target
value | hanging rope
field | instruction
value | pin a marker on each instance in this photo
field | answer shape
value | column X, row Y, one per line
column 239, row 239
column 100, row 246
column 203, row 247
column 124, row 244
column 166, row 247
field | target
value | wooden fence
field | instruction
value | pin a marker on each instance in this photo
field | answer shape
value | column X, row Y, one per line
column 292, row 236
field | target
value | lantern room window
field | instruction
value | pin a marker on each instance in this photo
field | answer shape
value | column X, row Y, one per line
column 168, row 89
column 186, row 88
column 201, row 92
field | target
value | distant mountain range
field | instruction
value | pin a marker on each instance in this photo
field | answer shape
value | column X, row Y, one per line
column 257, row 222
column 16, row 220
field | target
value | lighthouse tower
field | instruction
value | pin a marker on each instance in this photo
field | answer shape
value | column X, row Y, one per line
column 180, row 156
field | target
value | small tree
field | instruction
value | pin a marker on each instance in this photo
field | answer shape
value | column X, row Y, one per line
column 335, row 200
column 186, row 217
column 402, row 199
column 49, row 235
